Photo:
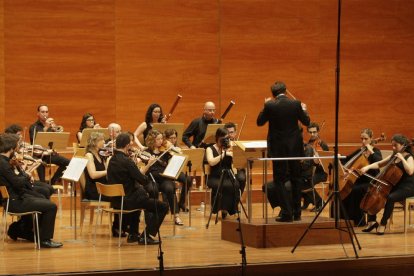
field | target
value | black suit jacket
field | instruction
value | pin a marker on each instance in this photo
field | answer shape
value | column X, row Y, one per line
column 284, row 137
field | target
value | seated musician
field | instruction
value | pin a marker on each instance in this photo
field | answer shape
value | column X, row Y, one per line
column 88, row 121
column 198, row 127
column 166, row 186
column 403, row 159
column 225, row 195
column 241, row 172
column 24, row 199
column 154, row 114
column 371, row 154
column 121, row 169
column 25, row 168
column 312, row 171
column 46, row 124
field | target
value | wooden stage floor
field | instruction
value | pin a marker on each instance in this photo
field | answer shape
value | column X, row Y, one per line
column 199, row 247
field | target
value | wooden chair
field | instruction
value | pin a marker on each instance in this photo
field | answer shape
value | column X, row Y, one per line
column 407, row 212
column 87, row 203
column 35, row 216
column 114, row 190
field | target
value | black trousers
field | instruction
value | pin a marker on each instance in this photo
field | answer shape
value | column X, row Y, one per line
column 46, row 219
column 56, row 159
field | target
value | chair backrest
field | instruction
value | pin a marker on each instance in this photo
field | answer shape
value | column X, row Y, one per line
column 110, row 189
column 4, row 192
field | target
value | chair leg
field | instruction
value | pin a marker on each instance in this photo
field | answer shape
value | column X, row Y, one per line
column 145, row 226
column 91, row 214
column 37, row 231
column 60, row 204
column 82, row 216
column 4, row 226
column 406, row 213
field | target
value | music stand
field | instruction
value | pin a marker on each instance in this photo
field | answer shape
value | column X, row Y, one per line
column 86, row 133
column 179, row 127
column 52, row 140
column 327, row 165
column 210, row 136
column 196, row 163
column 72, row 174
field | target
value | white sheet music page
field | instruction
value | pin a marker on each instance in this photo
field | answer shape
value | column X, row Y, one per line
column 174, row 166
column 75, row 168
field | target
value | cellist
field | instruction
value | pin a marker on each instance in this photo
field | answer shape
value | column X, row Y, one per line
column 402, row 189
column 371, row 154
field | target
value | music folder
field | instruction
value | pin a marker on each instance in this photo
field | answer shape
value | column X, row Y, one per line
column 210, row 136
column 175, row 166
column 86, row 133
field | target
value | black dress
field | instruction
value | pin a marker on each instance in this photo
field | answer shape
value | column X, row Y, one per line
column 230, row 194
column 91, row 192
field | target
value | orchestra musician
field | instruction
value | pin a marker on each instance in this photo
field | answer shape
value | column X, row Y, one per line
column 372, row 154
column 154, row 114
column 46, row 124
column 154, row 142
column 284, row 139
column 241, row 172
column 23, row 169
column 88, row 121
column 198, row 127
column 121, row 169
column 402, row 189
column 24, row 199
column 220, row 157
column 312, row 171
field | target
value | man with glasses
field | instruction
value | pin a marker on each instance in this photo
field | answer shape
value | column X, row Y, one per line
column 198, row 127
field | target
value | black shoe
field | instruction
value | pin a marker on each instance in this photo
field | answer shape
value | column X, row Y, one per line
column 133, row 238
column 115, row 233
column 150, row 241
column 284, row 219
column 297, row 218
column 50, row 244
column 316, row 209
column 305, row 206
column 224, row 214
column 12, row 235
column 381, row 229
column 370, row 227
column 182, row 207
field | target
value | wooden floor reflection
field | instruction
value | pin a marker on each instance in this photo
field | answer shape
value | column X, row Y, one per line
column 189, row 248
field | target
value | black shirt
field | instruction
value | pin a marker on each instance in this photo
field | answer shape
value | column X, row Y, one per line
column 17, row 185
column 197, row 129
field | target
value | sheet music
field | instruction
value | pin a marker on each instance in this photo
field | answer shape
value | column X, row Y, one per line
column 174, row 166
column 255, row 144
column 75, row 168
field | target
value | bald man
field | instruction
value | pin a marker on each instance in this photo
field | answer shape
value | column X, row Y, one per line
column 197, row 128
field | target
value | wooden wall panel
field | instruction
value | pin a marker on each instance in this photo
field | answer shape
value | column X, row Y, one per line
column 60, row 53
column 165, row 48
column 114, row 58
column 1, row 65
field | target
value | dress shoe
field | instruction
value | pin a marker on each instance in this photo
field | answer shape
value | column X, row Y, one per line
column 150, row 241
column 224, row 214
column 297, row 218
column 178, row 221
column 133, row 238
column 371, row 225
column 50, row 244
column 381, row 229
column 316, row 209
column 304, row 206
column 284, row 219
column 12, row 235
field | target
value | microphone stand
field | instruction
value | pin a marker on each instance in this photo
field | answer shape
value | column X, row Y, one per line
column 160, row 256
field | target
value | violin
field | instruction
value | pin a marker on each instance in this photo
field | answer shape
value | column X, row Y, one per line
column 356, row 162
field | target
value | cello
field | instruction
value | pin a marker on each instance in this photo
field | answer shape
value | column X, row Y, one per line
column 358, row 161
column 380, row 187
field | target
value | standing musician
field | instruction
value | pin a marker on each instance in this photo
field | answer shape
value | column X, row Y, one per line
column 155, row 141
column 24, row 199
column 88, row 121
column 46, row 124
column 154, row 115
column 284, row 139
column 403, row 188
column 121, row 169
column 241, row 172
column 312, row 177
column 220, row 157
column 23, row 169
column 372, row 154
column 198, row 127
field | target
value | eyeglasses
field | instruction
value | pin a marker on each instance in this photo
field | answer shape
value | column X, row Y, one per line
column 90, row 120
column 312, row 132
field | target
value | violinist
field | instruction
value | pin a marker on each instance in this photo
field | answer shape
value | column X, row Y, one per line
column 170, row 135
column 403, row 188
column 198, row 127
column 371, row 154
column 88, row 121
column 45, row 124
column 312, row 177
column 24, row 199
column 154, row 142
column 22, row 168
column 220, row 157
column 154, row 114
